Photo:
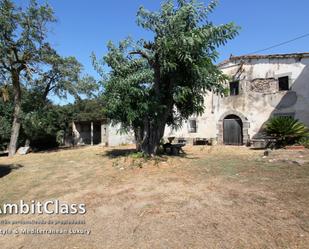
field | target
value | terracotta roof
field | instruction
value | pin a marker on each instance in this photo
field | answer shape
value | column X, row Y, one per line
column 268, row 56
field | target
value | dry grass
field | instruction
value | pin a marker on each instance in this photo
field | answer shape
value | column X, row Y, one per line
column 214, row 197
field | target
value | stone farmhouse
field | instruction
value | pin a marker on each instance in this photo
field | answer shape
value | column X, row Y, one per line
column 261, row 86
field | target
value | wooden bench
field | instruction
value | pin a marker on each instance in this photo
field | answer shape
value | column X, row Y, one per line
column 200, row 141
column 173, row 149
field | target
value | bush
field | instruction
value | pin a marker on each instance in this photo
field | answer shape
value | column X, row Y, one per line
column 286, row 130
column 305, row 142
column 138, row 155
column 45, row 142
column 6, row 110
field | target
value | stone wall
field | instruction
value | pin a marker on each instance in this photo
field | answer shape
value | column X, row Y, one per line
column 259, row 97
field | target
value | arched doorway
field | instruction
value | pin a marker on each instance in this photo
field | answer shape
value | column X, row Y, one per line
column 232, row 130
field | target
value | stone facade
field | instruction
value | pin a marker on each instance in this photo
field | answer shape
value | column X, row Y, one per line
column 268, row 85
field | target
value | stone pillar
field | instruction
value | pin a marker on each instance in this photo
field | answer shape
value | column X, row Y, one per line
column 76, row 134
column 246, row 137
column 220, row 132
column 91, row 133
column 104, row 134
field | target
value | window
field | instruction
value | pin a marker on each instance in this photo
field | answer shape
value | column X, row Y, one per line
column 192, row 126
column 234, row 88
column 289, row 114
column 284, row 83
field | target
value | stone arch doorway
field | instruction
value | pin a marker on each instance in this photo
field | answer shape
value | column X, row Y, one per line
column 232, row 130
column 239, row 127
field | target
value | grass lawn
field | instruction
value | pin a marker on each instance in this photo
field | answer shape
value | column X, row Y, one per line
column 213, row 197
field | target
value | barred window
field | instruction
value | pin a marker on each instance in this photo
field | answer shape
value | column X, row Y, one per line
column 288, row 114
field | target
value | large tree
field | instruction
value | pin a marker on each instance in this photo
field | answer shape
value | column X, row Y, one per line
column 62, row 76
column 161, row 82
column 22, row 46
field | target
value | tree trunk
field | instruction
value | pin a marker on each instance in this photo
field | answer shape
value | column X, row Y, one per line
column 153, row 134
column 138, row 134
column 16, row 116
column 154, row 128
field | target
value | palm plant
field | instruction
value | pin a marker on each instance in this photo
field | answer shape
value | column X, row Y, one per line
column 286, row 130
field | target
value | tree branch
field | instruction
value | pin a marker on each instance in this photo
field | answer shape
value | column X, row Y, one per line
column 16, row 54
column 142, row 54
column 5, row 66
column 49, row 86
column 149, row 45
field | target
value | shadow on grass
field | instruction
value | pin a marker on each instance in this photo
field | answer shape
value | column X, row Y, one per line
column 115, row 153
column 4, row 154
column 119, row 153
column 58, row 149
column 7, row 169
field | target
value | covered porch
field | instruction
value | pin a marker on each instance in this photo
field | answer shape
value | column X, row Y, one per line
column 90, row 132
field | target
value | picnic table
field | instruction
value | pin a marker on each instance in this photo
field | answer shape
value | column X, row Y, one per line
column 173, row 149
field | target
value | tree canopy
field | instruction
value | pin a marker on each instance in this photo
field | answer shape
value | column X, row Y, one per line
column 62, row 76
column 28, row 60
column 22, row 45
column 163, row 81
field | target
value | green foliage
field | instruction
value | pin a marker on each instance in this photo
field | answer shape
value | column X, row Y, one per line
column 138, row 155
column 286, row 130
column 23, row 33
column 41, row 121
column 164, row 81
column 126, row 91
column 30, row 65
column 87, row 110
column 44, row 124
column 6, row 110
column 22, row 36
column 62, row 76
column 52, row 123
column 304, row 141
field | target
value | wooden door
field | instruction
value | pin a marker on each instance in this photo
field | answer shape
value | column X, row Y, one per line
column 232, row 132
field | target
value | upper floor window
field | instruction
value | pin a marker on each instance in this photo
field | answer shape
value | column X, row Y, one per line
column 284, row 83
column 192, row 127
column 234, row 88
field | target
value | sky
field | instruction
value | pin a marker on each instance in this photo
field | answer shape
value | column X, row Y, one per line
column 84, row 27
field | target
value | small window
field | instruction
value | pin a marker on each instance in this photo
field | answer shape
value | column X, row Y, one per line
column 284, row 83
column 234, row 88
column 192, row 126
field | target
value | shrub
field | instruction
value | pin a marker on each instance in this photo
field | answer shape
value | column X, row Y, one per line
column 286, row 130
column 305, row 142
column 138, row 155
column 45, row 142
